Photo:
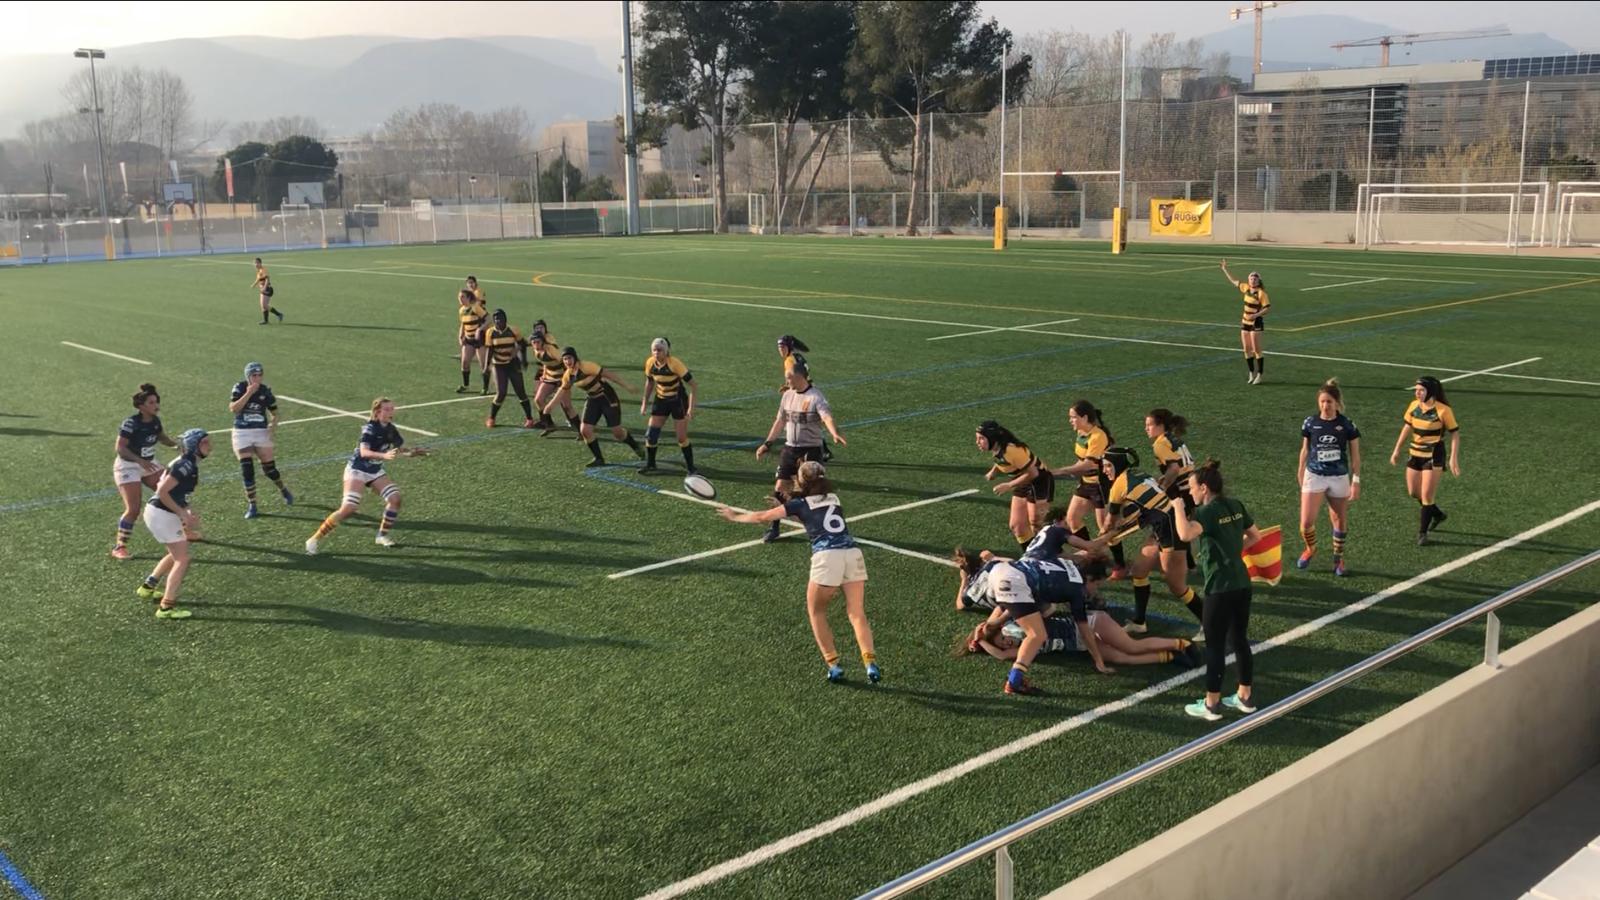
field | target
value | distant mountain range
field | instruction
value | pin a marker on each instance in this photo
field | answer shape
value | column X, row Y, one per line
column 1290, row 43
column 348, row 84
column 352, row 83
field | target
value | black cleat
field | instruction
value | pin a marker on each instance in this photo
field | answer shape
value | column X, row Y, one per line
column 596, row 464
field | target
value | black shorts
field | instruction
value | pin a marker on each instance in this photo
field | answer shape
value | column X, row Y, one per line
column 790, row 458
column 267, row 291
column 605, row 406
column 473, row 342
column 676, row 406
column 1042, row 489
column 1424, row 463
column 1164, row 528
column 1260, row 324
column 1090, row 491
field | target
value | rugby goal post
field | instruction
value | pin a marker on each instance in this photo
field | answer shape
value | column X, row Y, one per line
column 1052, row 209
column 1577, row 209
column 1485, row 214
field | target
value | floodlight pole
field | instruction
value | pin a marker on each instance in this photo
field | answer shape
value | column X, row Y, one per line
column 94, row 86
column 630, row 141
column 1004, row 48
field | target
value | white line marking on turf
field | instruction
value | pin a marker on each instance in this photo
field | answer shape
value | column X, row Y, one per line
column 718, row 503
column 946, row 776
column 142, row 362
column 1388, row 278
column 343, row 415
column 1323, row 287
column 904, row 552
column 354, row 415
column 830, row 312
column 946, row 337
column 743, row 544
column 1494, row 369
column 442, row 402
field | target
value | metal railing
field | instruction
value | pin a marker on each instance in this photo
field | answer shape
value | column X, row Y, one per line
column 998, row 842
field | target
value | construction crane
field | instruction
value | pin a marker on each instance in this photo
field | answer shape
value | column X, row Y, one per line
column 1388, row 40
column 1258, row 8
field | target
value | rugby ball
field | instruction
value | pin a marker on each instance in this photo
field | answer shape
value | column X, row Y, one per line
column 700, row 487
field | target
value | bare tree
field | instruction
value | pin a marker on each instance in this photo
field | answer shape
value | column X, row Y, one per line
column 172, row 113
column 276, row 129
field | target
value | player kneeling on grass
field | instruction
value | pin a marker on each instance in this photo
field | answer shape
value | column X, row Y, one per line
column 171, row 521
column 836, row 563
column 802, row 413
column 380, row 442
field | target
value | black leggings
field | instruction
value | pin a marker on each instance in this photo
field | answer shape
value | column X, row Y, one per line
column 508, row 373
column 1226, row 618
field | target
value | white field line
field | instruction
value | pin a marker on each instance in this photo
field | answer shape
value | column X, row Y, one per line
column 687, row 250
column 946, row 776
column 718, row 503
column 1323, row 287
column 343, row 415
column 743, row 544
column 142, row 362
column 1184, row 269
column 1387, row 278
column 946, row 337
column 1494, row 369
column 904, row 552
column 855, row 315
column 354, row 415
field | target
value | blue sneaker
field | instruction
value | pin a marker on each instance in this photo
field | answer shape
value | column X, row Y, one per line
column 1200, row 710
column 1338, row 566
column 836, row 673
column 874, row 674
column 288, row 498
column 250, row 512
column 1238, row 704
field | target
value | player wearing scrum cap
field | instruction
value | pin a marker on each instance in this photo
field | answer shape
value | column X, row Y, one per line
column 836, row 563
column 669, row 391
column 255, row 416
column 802, row 414
column 600, row 403
column 171, row 521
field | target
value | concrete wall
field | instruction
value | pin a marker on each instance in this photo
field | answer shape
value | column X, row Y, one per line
column 1322, row 228
column 1383, row 810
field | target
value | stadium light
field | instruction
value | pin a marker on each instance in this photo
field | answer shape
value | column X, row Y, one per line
column 94, row 86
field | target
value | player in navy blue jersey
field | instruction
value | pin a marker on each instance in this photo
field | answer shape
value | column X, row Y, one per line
column 1062, row 636
column 1026, row 591
column 135, row 467
column 380, row 442
column 171, row 520
column 255, row 418
column 836, row 562
column 1330, row 465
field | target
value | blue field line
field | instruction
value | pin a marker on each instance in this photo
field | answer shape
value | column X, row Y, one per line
column 48, row 502
column 15, row 879
column 1034, row 392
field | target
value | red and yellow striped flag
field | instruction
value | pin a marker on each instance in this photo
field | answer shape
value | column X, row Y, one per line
column 1264, row 558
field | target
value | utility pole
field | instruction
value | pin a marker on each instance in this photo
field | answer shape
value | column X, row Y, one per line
column 630, row 140
column 1258, row 7
column 94, row 86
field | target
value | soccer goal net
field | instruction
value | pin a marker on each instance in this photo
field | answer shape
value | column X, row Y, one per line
column 1577, row 214
column 1481, row 214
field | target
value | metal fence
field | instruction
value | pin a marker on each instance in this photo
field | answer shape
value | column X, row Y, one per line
column 1283, row 165
column 997, row 844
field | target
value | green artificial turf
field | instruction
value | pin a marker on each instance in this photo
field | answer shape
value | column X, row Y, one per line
column 481, row 712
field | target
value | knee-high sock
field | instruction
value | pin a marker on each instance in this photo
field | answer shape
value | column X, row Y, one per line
column 247, row 471
column 688, row 456
column 270, row 469
column 1141, row 598
column 1338, row 543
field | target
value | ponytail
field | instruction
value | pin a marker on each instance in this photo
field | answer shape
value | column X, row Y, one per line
column 146, row 391
column 1331, row 388
column 1209, row 475
column 1170, row 422
column 1087, row 410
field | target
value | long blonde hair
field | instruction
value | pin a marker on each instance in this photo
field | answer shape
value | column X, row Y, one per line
column 812, row 479
column 379, row 402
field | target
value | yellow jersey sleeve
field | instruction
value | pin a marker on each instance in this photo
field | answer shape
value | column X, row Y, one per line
column 677, row 367
column 1098, row 442
column 1448, row 417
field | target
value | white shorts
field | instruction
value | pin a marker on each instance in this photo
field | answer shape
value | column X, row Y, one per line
column 1336, row 486
column 125, row 472
column 363, row 477
column 164, row 526
column 1009, row 586
column 252, row 438
column 831, row 568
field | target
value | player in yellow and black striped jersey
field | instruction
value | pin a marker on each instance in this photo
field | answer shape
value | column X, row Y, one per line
column 471, row 318
column 1090, row 442
column 1134, row 495
column 1029, row 481
column 669, row 390
column 477, row 292
column 545, row 352
column 1253, row 322
column 1427, row 420
column 600, row 402
column 508, row 353
column 263, row 285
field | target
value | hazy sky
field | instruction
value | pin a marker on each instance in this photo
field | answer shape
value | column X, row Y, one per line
column 60, row 27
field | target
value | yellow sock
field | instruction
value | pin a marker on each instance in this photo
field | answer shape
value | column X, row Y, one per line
column 1188, row 597
column 1181, row 644
column 1164, row 656
column 868, row 657
column 1141, row 582
column 326, row 528
column 831, row 659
